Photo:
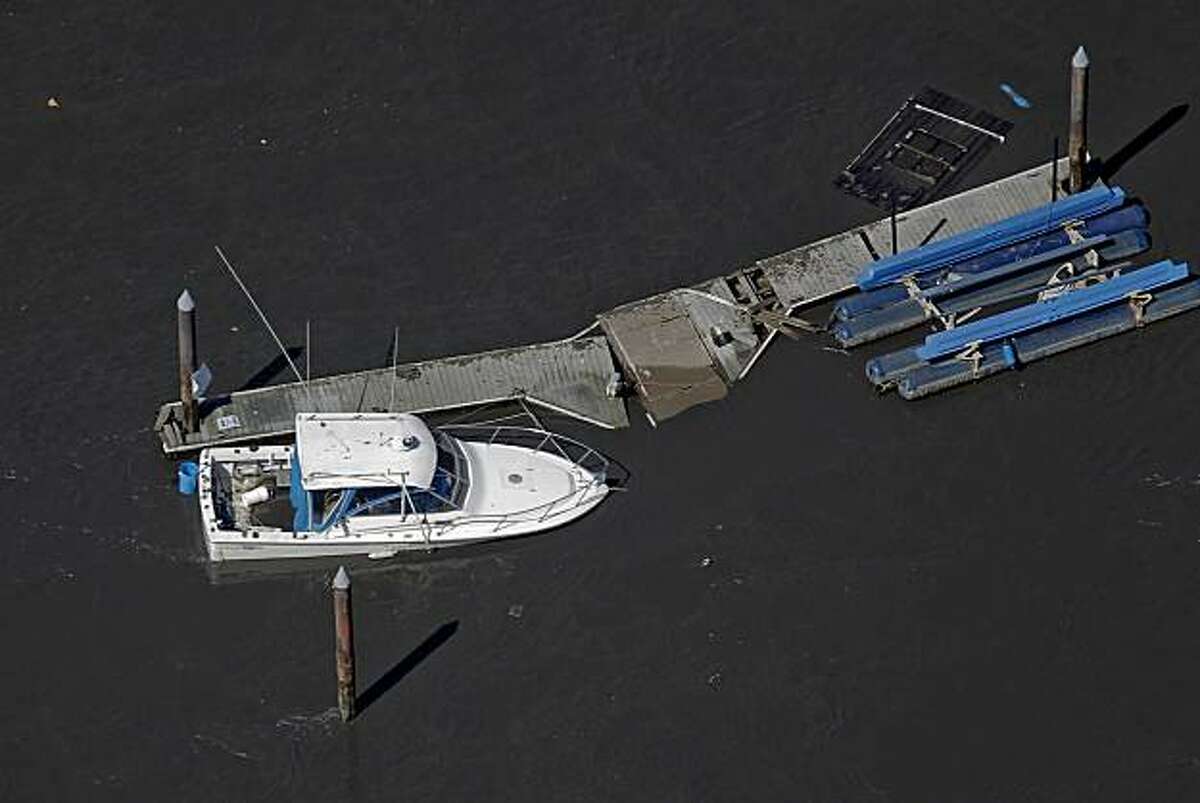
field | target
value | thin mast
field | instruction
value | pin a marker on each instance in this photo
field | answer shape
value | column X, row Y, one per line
column 395, row 348
column 261, row 314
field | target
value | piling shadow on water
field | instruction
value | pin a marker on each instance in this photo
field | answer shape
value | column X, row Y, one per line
column 263, row 376
column 1105, row 169
column 407, row 664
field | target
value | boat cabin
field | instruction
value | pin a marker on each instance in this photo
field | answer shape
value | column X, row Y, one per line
column 347, row 465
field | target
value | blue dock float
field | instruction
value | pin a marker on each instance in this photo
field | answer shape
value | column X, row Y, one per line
column 1023, row 226
column 929, row 378
column 969, row 292
column 1043, row 313
column 1043, row 329
column 1130, row 216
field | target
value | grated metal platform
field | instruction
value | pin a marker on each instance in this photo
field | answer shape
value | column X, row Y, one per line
column 924, row 151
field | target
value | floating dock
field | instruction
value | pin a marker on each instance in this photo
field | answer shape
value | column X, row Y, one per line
column 673, row 350
column 570, row 377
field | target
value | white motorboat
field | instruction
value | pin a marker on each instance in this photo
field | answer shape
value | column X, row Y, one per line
column 379, row 483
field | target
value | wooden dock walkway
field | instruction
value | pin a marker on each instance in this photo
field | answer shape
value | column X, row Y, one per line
column 569, row 377
column 673, row 350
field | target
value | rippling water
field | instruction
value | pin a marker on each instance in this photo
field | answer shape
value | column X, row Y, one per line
column 809, row 593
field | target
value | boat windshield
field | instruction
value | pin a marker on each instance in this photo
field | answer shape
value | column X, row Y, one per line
column 445, row 494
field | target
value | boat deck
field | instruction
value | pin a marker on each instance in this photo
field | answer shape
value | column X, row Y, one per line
column 566, row 376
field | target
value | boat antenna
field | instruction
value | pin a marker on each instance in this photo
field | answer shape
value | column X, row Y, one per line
column 261, row 314
column 395, row 348
column 1054, row 173
column 893, row 200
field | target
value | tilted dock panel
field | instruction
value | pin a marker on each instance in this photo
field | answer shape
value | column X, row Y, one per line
column 662, row 354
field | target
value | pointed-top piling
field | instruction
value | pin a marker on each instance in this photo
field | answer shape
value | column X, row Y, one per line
column 343, row 629
column 1077, row 134
column 185, row 315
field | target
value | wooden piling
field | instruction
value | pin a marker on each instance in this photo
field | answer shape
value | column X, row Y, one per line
column 343, row 623
column 185, row 309
column 1077, row 139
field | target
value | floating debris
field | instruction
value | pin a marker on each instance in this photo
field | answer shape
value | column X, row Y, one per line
column 52, row 103
column 222, row 745
column 1018, row 100
column 925, row 150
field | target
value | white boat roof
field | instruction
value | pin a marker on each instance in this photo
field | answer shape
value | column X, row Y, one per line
column 359, row 450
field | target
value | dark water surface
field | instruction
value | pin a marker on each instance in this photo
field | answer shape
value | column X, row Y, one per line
column 809, row 594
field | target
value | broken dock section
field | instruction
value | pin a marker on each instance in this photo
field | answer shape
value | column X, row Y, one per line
column 673, row 350
column 687, row 346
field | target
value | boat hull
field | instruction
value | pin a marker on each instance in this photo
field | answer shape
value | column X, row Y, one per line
column 226, row 541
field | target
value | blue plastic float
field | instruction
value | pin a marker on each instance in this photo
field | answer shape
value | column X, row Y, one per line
column 186, row 477
column 1043, row 313
column 1131, row 216
column 1080, row 206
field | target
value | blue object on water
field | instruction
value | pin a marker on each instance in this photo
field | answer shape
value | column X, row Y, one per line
column 1043, row 219
column 1042, row 313
column 1008, row 353
column 1016, row 97
column 188, row 471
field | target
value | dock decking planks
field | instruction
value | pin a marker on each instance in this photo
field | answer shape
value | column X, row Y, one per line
column 677, row 349
column 568, row 376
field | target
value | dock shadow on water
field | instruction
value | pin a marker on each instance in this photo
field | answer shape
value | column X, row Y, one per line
column 406, row 664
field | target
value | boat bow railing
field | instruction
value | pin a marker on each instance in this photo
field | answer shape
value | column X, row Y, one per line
column 601, row 469
column 537, row 440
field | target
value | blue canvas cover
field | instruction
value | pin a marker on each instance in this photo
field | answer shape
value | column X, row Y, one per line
column 299, row 499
